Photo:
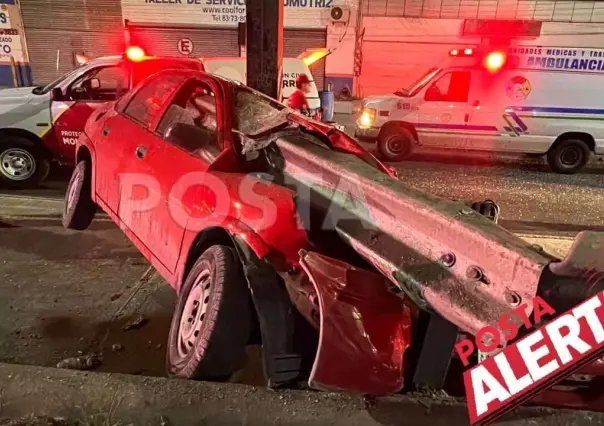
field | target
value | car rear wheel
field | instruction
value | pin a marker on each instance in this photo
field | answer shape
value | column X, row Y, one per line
column 569, row 156
column 22, row 164
column 395, row 143
column 79, row 208
column 212, row 321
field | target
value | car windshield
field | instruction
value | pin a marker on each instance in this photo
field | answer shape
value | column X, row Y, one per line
column 418, row 84
column 256, row 113
column 40, row 90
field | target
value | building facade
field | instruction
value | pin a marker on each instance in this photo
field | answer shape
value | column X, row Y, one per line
column 55, row 31
column 400, row 39
column 376, row 46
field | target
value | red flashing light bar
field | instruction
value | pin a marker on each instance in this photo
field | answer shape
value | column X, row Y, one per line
column 465, row 52
column 501, row 28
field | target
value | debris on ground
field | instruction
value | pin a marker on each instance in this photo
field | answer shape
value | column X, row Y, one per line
column 117, row 347
column 96, row 420
column 437, row 394
column 84, row 362
column 135, row 323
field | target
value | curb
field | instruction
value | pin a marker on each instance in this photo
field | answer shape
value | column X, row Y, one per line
column 42, row 391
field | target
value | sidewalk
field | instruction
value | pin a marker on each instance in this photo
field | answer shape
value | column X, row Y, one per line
column 136, row 400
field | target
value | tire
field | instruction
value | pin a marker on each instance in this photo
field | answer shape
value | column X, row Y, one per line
column 568, row 156
column 209, row 333
column 395, row 143
column 79, row 208
column 22, row 163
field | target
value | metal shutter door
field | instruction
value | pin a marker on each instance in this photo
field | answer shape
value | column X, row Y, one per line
column 206, row 42
column 297, row 41
column 55, row 30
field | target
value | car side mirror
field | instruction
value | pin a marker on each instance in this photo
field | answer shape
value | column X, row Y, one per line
column 56, row 94
column 188, row 136
column 94, row 83
column 91, row 84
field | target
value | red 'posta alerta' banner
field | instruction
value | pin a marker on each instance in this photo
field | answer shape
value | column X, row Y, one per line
column 536, row 362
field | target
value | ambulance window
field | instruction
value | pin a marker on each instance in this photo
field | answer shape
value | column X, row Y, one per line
column 451, row 87
column 147, row 102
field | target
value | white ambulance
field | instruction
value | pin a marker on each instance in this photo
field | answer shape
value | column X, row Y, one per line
column 547, row 102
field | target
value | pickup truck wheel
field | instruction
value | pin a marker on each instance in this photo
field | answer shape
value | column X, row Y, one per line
column 22, row 165
column 395, row 143
column 212, row 321
column 569, row 156
column 79, row 208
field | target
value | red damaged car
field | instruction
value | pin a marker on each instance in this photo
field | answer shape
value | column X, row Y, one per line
column 270, row 224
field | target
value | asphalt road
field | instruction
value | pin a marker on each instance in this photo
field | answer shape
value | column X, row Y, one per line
column 532, row 198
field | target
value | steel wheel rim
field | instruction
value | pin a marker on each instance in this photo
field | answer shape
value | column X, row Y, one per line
column 396, row 145
column 17, row 164
column 73, row 187
column 193, row 314
column 570, row 156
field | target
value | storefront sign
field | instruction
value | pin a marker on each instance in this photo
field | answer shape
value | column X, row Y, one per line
column 4, row 17
column 570, row 59
column 297, row 13
column 10, row 45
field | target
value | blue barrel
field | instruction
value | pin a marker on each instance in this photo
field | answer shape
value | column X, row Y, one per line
column 327, row 104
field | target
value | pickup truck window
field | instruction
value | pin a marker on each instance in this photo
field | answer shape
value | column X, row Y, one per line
column 108, row 79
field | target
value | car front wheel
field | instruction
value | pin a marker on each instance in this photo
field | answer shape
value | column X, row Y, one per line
column 79, row 208
column 212, row 321
column 22, row 164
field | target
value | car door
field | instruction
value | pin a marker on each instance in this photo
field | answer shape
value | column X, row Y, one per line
column 191, row 138
column 444, row 113
column 138, row 188
column 83, row 96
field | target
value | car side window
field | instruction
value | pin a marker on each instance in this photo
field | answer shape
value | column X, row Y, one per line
column 98, row 84
column 190, row 121
column 451, row 87
column 146, row 104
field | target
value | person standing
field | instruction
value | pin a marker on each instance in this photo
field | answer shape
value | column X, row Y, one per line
column 298, row 99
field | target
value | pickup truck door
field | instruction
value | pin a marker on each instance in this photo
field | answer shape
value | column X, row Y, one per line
column 444, row 113
column 82, row 97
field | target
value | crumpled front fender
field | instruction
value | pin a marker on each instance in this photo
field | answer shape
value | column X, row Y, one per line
column 365, row 329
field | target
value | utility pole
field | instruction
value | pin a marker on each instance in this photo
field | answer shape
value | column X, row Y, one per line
column 264, row 45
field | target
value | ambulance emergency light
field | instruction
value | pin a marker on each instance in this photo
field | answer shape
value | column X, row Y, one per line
column 468, row 51
column 494, row 61
column 135, row 53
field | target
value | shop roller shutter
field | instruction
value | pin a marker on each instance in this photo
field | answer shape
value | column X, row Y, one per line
column 58, row 29
column 297, row 41
column 206, row 41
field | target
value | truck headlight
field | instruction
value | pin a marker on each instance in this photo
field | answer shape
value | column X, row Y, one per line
column 367, row 118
